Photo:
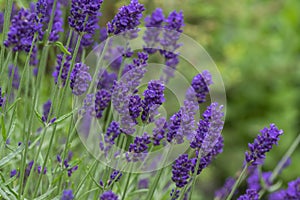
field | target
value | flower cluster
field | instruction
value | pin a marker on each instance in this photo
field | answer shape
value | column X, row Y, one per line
column 181, row 170
column 102, row 100
column 292, row 192
column 70, row 169
column 80, row 79
column 67, row 195
column 22, row 30
column 64, row 63
column 2, row 100
column 138, row 149
column 262, row 144
column 83, row 15
column 109, row 195
column 250, row 195
column 128, row 18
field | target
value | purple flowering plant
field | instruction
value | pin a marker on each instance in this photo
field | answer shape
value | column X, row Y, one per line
column 85, row 114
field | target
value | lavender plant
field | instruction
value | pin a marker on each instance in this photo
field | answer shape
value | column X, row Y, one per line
column 114, row 107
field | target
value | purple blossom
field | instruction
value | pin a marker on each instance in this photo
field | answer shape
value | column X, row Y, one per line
column 135, row 107
column 102, row 100
column 1, row 21
column 223, row 192
column 151, row 36
column 153, row 98
column 109, row 195
column 65, row 68
column 15, row 77
column 181, row 170
column 128, row 18
column 171, row 35
column 83, row 15
column 254, row 181
column 292, row 192
column 2, row 99
column 199, row 88
column 80, row 79
column 138, row 149
column 103, row 34
column 106, row 80
column 262, row 144
column 143, row 183
column 13, row 173
column 250, row 195
column 159, row 131
column 115, row 176
column 46, row 110
column 207, row 158
column 113, row 131
column 21, row 32
column 28, row 168
column 173, row 128
column 67, row 195
column 209, row 129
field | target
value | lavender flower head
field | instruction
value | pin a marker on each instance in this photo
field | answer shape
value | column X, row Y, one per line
column 135, row 107
column 106, row 80
column 128, row 18
column 67, row 195
column 173, row 129
column 250, row 195
column 262, row 144
column 109, row 195
column 46, row 110
column 102, row 100
column 15, row 77
column 292, row 192
column 181, row 170
column 209, row 129
column 21, row 32
column 153, row 98
column 2, row 100
column 159, row 131
column 80, row 79
column 83, row 15
column 138, row 148
column 199, row 87
column 113, row 131
column 65, row 68
column 151, row 36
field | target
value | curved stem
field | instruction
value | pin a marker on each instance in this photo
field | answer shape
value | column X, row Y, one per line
column 237, row 182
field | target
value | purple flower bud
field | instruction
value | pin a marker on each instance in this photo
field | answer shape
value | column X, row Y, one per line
column 181, row 170
column 67, row 195
column 250, row 195
column 108, row 195
column 102, row 100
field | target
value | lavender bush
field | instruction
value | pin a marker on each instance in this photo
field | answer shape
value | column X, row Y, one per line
column 73, row 128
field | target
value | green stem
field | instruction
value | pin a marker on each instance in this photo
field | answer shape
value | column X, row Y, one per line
column 127, row 182
column 157, row 177
column 7, row 14
column 237, row 182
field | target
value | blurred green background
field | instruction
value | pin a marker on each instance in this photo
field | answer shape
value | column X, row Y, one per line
column 256, row 46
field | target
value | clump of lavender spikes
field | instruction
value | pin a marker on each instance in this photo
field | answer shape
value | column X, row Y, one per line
column 80, row 79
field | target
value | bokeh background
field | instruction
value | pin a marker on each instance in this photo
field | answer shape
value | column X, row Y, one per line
column 256, row 46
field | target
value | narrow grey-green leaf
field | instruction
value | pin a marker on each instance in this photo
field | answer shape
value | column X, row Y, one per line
column 10, row 156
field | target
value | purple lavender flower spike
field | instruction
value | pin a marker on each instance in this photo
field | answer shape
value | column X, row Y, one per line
column 103, row 34
column 13, row 173
column 102, row 100
column 2, row 99
column 223, row 192
column 125, row 88
column 65, row 68
column 171, row 35
column 153, row 98
column 159, row 132
column 188, row 113
column 173, row 129
column 209, row 129
column 254, row 181
column 138, row 149
column 106, row 80
column 292, row 192
column 143, row 183
column 46, row 110
column 250, row 195
column 199, row 88
column 67, row 195
column 181, row 170
column 113, row 131
column 135, row 107
column 21, row 32
column 1, row 21
column 15, row 76
column 84, row 14
column 127, row 19
column 109, row 195
column 151, row 36
column 28, row 168
column 114, row 176
column 80, row 79
column 262, row 144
